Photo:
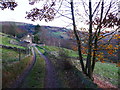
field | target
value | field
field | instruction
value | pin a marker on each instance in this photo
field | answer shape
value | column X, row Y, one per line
column 6, row 41
column 107, row 71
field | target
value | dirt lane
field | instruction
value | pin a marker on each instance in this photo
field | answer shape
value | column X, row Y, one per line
column 51, row 80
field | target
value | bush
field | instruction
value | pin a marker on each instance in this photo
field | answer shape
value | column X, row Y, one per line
column 64, row 63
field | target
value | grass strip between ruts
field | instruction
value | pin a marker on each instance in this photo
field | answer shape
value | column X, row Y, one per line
column 36, row 76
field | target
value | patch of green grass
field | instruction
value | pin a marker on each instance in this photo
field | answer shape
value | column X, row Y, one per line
column 40, row 49
column 6, row 41
column 10, row 72
column 107, row 71
column 3, row 34
column 57, row 33
column 51, row 48
column 36, row 77
column 10, row 55
column 71, row 53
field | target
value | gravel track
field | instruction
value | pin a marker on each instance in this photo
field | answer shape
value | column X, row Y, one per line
column 51, row 80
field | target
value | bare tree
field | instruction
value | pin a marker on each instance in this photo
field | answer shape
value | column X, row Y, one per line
column 103, row 19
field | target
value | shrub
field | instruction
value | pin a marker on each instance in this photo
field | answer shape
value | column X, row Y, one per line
column 64, row 63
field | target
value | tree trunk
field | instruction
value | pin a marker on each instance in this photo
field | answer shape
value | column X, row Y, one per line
column 77, row 38
column 96, row 37
column 94, row 54
column 89, row 56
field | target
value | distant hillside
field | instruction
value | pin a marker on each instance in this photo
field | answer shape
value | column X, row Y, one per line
column 54, row 36
column 20, row 29
column 16, row 28
column 49, row 35
column 56, row 32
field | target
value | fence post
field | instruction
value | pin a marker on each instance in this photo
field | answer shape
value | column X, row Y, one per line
column 19, row 54
column 28, row 50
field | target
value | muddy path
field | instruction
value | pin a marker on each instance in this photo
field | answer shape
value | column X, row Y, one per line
column 21, row 78
column 51, row 79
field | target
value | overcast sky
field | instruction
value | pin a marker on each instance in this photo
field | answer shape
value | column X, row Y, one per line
column 19, row 14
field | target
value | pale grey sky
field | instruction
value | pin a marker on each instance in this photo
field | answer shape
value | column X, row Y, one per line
column 19, row 13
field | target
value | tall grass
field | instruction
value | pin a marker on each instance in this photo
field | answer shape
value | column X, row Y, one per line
column 10, row 72
column 9, row 56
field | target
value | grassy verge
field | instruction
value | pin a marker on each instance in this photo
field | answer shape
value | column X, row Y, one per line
column 51, row 48
column 68, row 75
column 107, row 71
column 9, row 56
column 40, row 49
column 10, row 72
column 36, row 77
column 71, row 53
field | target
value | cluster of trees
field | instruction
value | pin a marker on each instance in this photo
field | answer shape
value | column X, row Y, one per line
column 43, row 35
column 103, row 14
column 12, row 29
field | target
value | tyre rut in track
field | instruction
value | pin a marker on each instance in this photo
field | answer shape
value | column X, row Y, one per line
column 51, row 79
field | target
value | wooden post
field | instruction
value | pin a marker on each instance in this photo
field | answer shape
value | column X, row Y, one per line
column 19, row 54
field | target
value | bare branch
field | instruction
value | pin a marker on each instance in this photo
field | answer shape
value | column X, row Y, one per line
column 85, row 7
column 108, row 9
column 68, row 25
column 110, row 33
column 64, row 16
column 101, row 16
column 59, row 7
column 96, row 7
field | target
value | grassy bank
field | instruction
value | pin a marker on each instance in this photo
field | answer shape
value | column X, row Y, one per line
column 6, row 41
column 71, row 53
column 68, row 75
column 10, row 72
column 40, row 49
column 105, row 71
column 9, row 56
column 108, row 72
column 36, row 76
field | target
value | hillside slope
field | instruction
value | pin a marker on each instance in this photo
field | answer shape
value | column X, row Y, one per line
column 16, row 28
